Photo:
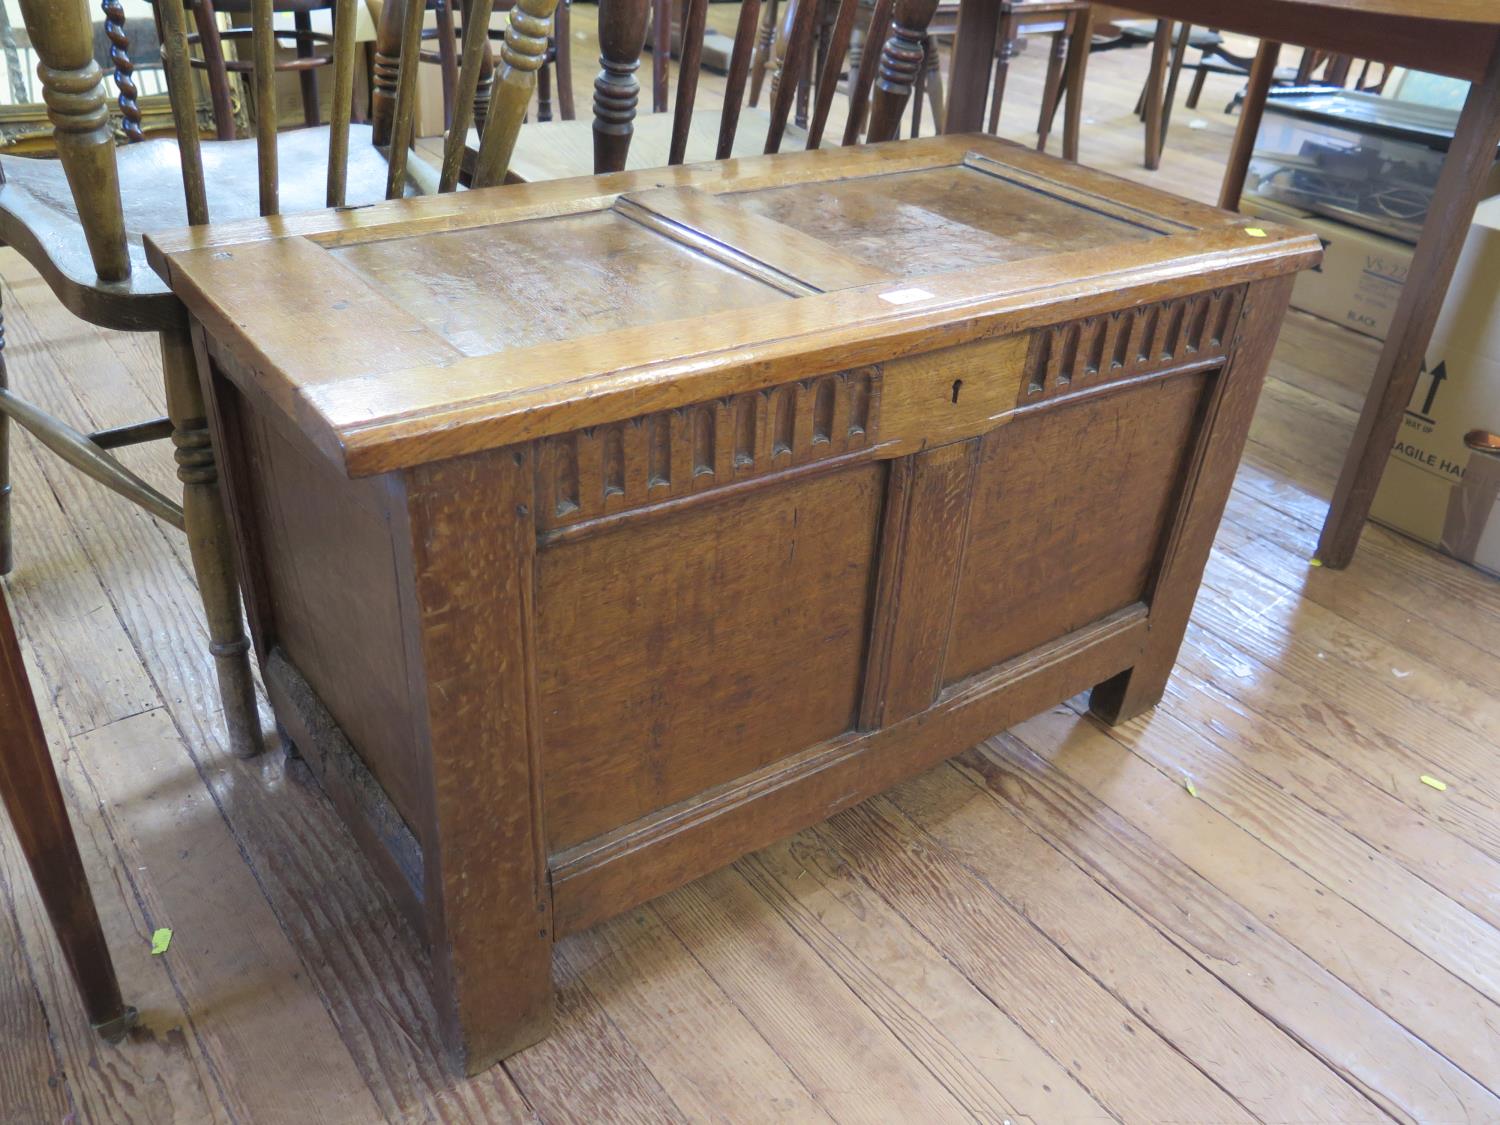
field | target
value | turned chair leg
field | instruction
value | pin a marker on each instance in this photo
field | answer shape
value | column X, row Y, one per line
column 1196, row 90
column 763, row 47
column 1005, row 51
column 933, row 81
column 207, row 527
column 1052, row 84
column 7, row 558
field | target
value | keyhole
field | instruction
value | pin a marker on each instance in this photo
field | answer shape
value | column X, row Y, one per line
column 957, row 386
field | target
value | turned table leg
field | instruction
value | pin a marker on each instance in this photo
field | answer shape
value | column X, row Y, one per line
column 1465, row 171
column 969, row 73
column 209, row 541
column 32, row 796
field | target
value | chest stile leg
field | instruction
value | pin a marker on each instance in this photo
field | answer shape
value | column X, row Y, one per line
column 1205, row 491
column 471, row 543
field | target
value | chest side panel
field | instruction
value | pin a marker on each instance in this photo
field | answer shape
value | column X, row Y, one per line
column 333, row 602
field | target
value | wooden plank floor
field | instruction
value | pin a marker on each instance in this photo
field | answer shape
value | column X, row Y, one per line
column 1051, row 928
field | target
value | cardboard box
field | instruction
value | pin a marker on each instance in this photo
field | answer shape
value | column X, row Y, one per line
column 1441, row 484
column 1360, row 278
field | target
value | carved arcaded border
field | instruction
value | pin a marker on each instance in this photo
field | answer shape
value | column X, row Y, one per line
column 621, row 465
column 1130, row 342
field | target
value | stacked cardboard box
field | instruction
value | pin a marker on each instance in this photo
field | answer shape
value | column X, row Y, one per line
column 1442, row 483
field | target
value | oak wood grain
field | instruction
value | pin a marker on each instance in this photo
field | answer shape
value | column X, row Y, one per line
column 1273, row 1079
column 1273, row 956
column 601, row 1061
column 932, row 888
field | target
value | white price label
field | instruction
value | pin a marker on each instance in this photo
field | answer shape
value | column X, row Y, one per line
column 905, row 296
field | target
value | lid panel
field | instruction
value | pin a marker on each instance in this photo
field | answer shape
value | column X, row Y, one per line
column 517, row 284
column 940, row 219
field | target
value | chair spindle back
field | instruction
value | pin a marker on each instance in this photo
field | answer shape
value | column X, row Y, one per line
column 901, row 62
column 263, row 51
column 869, row 62
column 804, row 18
column 73, row 89
column 521, row 56
column 747, row 36
column 473, row 59
column 885, row 80
column 838, row 47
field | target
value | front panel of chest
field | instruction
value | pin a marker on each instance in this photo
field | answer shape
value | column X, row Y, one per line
column 728, row 584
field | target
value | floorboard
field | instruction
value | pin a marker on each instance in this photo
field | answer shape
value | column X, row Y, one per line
column 1051, row 928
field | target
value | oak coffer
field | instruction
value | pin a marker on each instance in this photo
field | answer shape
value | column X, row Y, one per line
column 596, row 532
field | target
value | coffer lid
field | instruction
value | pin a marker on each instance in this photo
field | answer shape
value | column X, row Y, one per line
column 417, row 330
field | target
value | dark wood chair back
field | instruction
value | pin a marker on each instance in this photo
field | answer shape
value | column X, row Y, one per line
column 884, row 82
column 445, row 40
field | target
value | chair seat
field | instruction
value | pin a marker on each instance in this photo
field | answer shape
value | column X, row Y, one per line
column 558, row 150
column 1144, row 31
column 39, row 218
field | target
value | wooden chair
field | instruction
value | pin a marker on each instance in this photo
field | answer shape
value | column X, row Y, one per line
column 930, row 82
column 31, row 794
column 1066, row 23
column 1160, row 91
column 79, row 219
column 618, row 139
column 556, row 64
column 209, row 39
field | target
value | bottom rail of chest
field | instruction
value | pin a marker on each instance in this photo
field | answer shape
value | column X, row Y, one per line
column 664, row 849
